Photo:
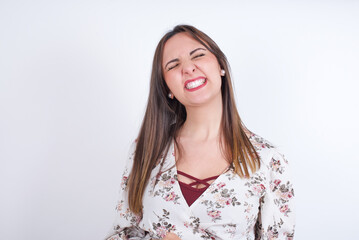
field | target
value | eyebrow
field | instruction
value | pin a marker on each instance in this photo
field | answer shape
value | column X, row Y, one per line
column 191, row 53
column 196, row 50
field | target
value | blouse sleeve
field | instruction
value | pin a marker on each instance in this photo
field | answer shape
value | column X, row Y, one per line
column 126, row 223
column 276, row 218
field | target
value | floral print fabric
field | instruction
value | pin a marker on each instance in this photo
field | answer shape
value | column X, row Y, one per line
column 259, row 207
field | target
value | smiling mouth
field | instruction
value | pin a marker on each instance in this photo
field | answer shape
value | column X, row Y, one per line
column 195, row 84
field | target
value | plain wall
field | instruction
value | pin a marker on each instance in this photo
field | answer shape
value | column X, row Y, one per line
column 74, row 80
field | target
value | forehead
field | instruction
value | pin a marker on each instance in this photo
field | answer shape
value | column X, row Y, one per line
column 179, row 44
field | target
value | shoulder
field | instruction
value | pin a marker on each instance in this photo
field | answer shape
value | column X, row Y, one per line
column 269, row 153
column 128, row 163
column 132, row 148
column 260, row 143
column 262, row 146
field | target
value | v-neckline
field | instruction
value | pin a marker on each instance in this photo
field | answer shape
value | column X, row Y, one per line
column 178, row 187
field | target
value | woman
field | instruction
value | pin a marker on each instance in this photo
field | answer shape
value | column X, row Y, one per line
column 195, row 171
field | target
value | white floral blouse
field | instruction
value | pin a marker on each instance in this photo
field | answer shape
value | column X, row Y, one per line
column 260, row 207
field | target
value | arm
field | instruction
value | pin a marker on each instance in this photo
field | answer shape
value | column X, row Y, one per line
column 276, row 218
column 126, row 223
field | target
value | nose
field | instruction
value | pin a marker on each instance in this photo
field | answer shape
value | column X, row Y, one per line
column 188, row 67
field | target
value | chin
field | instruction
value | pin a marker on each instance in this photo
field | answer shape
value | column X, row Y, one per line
column 202, row 101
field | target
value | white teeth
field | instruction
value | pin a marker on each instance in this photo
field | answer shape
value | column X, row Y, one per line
column 194, row 84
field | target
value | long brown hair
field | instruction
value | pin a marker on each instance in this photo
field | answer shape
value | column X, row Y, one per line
column 164, row 117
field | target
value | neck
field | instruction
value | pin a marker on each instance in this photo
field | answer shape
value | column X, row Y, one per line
column 203, row 123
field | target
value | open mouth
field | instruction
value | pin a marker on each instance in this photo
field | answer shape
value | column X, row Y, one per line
column 195, row 84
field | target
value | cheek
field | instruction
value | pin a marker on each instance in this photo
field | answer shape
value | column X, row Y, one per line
column 209, row 65
column 171, row 83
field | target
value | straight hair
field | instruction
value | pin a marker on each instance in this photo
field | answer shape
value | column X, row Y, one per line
column 164, row 117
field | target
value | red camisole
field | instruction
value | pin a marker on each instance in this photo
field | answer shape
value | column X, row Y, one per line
column 191, row 193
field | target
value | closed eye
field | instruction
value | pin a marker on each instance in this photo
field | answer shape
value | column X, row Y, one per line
column 172, row 67
column 199, row 55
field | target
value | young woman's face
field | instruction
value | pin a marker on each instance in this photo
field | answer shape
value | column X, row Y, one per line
column 191, row 72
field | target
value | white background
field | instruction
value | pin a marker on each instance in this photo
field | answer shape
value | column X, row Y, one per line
column 74, row 80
